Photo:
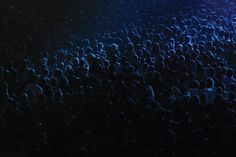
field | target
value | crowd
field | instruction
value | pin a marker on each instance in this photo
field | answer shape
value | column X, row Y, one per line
column 161, row 88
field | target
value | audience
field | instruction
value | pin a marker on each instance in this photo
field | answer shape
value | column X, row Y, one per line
column 160, row 88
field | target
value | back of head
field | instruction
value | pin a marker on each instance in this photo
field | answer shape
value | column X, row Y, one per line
column 229, row 73
column 210, row 82
column 195, row 84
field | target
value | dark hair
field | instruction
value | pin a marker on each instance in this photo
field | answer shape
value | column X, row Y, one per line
column 230, row 72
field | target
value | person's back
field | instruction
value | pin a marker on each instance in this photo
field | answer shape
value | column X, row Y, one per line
column 194, row 88
column 210, row 90
column 4, row 95
column 34, row 87
column 229, row 79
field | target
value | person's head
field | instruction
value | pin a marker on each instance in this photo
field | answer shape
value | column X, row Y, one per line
column 69, row 56
column 34, row 79
column 195, row 84
column 219, row 98
column 4, row 90
column 219, row 90
column 100, row 46
column 211, row 72
column 230, row 73
column 61, row 65
column 130, row 47
column 82, row 63
column 203, row 98
column 187, row 39
column 232, row 87
column 156, row 48
column 70, row 72
column 195, row 100
column 24, row 97
column 53, row 82
column 45, row 72
column 63, row 82
column 86, row 43
column 58, row 72
column 80, row 51
column 54, row 60
column 3, row 86
column 89, row 50
column 201, row 71
column 75, row 62
column 83, row 152
column 210, row 82
column 231, row 96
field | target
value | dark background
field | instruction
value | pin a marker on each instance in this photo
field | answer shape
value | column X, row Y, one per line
column 59, row 6
column 46, row 5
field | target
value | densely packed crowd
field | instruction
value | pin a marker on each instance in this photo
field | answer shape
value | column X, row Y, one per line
column 165, row 88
